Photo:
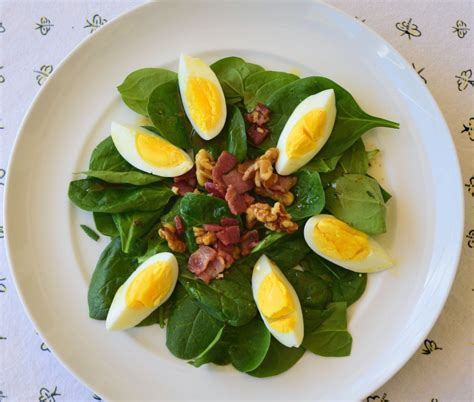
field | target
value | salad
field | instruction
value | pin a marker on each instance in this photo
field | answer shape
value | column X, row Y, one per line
column 240, row 213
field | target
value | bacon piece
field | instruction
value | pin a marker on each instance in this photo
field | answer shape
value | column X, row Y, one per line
column 179, row 225
column 284, row 183
column 181, row 188
column 225, row 163
column 248, row 242
column 200, row 259
column 229, row 222
column 235, row 179
column 259, row 116
column 256, row 134
column 229, row 235
column 237, row 202
column 242, row 167
column 190, row 175
column 215, row 267
column 209, row 227
column 214, row 189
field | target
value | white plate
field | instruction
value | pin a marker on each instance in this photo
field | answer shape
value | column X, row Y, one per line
column 52, row 260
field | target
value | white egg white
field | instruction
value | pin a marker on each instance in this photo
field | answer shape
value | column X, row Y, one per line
column 120, row 316
column 376, row 260
column 194, row 67
column 263, row 267
column 325, row 100
column 124, row 138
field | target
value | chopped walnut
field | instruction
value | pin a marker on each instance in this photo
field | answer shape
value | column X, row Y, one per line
column 168, row 233
column 204, row 165
column 274, row 218
column 203, row 237
column 262, row 169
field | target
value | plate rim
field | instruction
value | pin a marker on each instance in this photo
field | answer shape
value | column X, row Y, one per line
column 456, row 247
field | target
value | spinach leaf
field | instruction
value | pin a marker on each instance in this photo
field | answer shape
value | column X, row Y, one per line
column 288, row 251
column 133, row 225
column 259, row 86
column 331, row 338
column 173, row 211
column 229, row 300
column 372, row 154
column 351, row 120
column 385, row 194
column 322, row 165
column 133, row 177
column 105, row 157
column 98, row 196
column 190, row 330
column 217, row 352
column 345, row 285
column 105, row 224
column 90, row 232
column 198, row 209
column 250, row 345
column 267, row 241
column 112, row 270
column 357, row 200
column 312, row 291
column 309, row 196
column 236, row 135
column 159, row 316
column 278, row 359
column 354, row 159
column 138, row 86
column 214, row 146
column 155, row 246
column 232, row 72
column 167, row 114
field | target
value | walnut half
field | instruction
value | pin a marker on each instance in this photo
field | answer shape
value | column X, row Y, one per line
column 168, row 233
column 204, row 165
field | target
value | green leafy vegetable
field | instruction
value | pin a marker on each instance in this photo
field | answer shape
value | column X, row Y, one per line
column 288, row 251
column 190, row 330
column 259, row 86
column 345, row 285
column 105, row 224
column 278, row 359
column 138, row 86
column 357, row 200
column 267, row 241
column 354, row 159
column 105, row 157
column 322, row 165
column 90, row 232
column 351, row 120
column 133, row 225
column 98, row 196
column 312, row 291
column 372, row 154
column 236, row 136
column 229, row 300
column 232, row 72
column 250, row 345
column 167, row 114
column 217, row 352
column 331, row 338
column 309, row 196
column 173, row 211
column 112, row 270
column 198, row 209
column 133, row 177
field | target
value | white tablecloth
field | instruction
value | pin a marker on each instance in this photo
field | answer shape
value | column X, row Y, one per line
column 435, row 36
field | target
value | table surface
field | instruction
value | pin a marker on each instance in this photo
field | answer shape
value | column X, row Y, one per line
column 435, row 36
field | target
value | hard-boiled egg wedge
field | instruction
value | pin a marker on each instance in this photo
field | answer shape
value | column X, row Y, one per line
column 202, row 96
column 149, row 152
column 306, row 131
column 345, row 246
column 150, row 285
column 277, row 303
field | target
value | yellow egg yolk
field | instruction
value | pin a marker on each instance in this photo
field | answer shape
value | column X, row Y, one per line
column 306, row 133
column 158, row 152
column 150, row 286
column 276, row 304
column 204, row 102
column 338, row 240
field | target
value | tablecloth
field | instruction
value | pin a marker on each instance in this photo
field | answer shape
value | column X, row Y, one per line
column 436, row 38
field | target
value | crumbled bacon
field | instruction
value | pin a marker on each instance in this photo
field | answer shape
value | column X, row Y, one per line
column 225, row 163
column 238, row 203
column 235, row 178
column 213, row 270
column 214, row 189
column 248, row 242
column 181, row 188
column 229, row 235
column 200, row 259
column 260, row 115
column 229, row 222
column 179, row 225
column 186, row 183
column 211, row 227
column 257, row 134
